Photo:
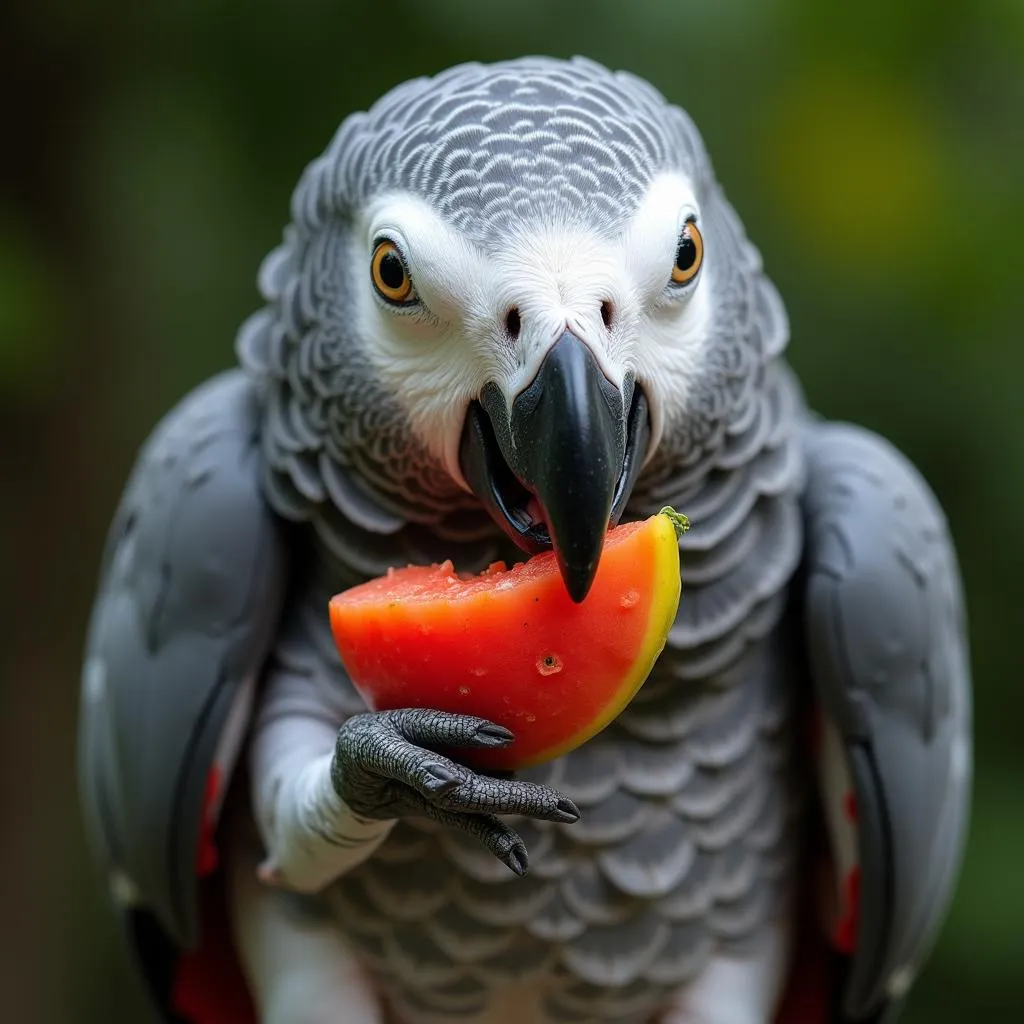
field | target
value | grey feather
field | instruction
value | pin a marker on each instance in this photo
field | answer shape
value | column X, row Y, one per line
column 889, row 656
column 192, row 582
column 353, row 502
column 352, row 904
column 737, row 919
column 613, row 819
column 777, row 812
column 616, row 954
column 739, row 814
column 418, row 961
column 693, row 895
column 464, row 995
column 406, row 895
column 459, row 934
column 411, row 1006
column 686, row 950
column 557, row 923
column 592, row 774
column 713, row 788
column 656, row 769
column 504, row 906
column 651, row 862
column 626, row 1002
column 524, row 960
column 593, row 898
column 558, row 859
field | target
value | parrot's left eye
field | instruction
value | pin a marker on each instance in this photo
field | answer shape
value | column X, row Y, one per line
column 689, row 254
column 391, row 275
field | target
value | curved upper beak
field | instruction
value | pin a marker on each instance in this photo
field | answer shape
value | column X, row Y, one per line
column 557, row 468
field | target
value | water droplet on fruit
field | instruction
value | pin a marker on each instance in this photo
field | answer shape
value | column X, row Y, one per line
column 464, row 691
column 478, row 671
column 630, row 598
column 531, row 718
column 549, row 665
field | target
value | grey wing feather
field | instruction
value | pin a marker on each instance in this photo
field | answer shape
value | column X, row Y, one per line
column 888, row 654
column 190, row 589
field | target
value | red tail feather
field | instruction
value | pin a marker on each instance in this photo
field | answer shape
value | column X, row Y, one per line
column 209, row 987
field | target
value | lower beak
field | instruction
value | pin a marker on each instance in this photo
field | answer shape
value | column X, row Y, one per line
column 557, row 469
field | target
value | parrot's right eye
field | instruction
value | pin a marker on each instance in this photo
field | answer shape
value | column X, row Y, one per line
column 391, row 275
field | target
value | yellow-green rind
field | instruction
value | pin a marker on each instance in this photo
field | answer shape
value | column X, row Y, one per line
column 666, row 527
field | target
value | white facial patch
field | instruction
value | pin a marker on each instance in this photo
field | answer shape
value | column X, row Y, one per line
column 672, row 328
column 436, row 356
column 613, row 292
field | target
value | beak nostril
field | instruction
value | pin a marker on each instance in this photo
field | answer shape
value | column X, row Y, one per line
column 607, row 313
column 513, row 323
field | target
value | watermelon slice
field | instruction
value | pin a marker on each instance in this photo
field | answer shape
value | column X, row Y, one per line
column 511, row 646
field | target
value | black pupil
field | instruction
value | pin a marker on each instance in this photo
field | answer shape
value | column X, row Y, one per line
column 686, row 254
column 392, row 273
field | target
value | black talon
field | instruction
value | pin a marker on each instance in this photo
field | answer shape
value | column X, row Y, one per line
column 493, row 735
column 568, row 809
column 442, row 779
column 518, row 860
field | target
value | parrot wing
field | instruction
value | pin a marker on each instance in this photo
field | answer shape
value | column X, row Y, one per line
column 192, row 583
column 887, row 649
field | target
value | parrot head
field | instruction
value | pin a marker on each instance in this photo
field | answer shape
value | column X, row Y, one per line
column 517, row 283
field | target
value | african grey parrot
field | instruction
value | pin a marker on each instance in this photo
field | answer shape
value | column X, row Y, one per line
column 512, row 306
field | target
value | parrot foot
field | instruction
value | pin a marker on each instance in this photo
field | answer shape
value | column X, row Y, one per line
column 386, row 766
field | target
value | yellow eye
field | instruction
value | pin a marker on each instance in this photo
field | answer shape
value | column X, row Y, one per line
column 390, row 276
column 689, row 255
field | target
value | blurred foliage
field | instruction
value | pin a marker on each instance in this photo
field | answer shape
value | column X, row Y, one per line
column 875, row 152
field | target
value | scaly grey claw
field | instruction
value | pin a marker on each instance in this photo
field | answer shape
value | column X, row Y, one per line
column 388, row 765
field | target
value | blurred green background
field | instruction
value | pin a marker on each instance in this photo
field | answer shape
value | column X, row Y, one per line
column 147, row 154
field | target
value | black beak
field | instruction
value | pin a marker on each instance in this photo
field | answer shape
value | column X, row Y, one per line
column 557, row 469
